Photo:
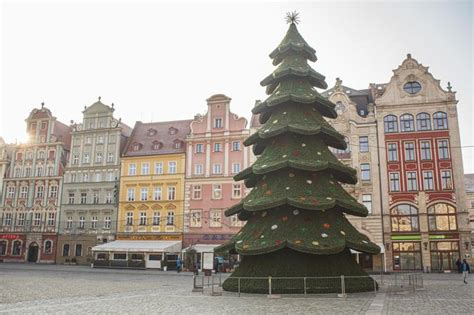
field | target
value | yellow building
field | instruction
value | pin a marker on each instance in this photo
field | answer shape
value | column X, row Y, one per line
column 151, row 198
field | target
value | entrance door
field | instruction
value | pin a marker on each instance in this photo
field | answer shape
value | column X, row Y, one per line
column 33, row 252
column 365, row 261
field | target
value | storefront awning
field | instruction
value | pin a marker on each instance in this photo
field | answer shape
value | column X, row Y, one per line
column 139, row 246
column 202, row 248
column 382, row 249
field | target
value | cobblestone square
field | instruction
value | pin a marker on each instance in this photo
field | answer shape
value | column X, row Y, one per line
column 41, row 289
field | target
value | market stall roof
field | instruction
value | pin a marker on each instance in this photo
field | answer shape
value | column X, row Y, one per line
column 202, row 248
column 139, row 246
column 382, row 249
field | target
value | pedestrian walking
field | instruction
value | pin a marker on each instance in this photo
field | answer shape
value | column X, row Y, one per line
column 178, row 265
column 458, row 264
column 465, row 270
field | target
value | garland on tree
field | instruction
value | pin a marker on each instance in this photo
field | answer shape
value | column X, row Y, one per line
column 295, row 212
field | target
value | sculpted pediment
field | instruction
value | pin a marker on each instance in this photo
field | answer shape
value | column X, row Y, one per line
column 129, row 207
column 156, row 206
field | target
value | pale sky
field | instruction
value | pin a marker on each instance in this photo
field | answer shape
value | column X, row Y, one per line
column 160, row 61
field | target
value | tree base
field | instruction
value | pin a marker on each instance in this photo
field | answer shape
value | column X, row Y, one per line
column 290, row 263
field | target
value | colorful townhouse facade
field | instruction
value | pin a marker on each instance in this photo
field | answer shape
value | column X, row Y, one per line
column 89, row 195
column 425, row 216
column 357, row 122
column 214, row 154
column 150, row 222
column 32, row 190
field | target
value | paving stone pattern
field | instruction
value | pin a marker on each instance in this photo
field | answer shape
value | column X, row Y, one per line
column 41, row 289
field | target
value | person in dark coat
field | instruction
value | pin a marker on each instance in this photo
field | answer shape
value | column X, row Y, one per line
column 458, row 264
column 465, row 268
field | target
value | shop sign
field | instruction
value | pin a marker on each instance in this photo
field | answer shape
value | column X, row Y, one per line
column 9, row 236
column 406, row 237
column 444, row 237
column 150, row 237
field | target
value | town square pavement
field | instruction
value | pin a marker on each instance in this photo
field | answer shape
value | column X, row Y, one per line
column 41, row 289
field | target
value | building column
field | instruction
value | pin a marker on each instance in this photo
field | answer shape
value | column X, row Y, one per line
column 226, row 157
column 208, row 158
column 189, row 160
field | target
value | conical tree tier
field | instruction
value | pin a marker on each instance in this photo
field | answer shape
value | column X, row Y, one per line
column 290, row 263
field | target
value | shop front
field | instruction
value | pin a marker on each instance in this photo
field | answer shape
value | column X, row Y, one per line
column 444, row 252
column 137, row 254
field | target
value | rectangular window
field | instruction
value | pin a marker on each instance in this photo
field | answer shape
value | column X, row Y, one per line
column 171, row 193
column 78, row 252
column 199, row 148
column 367, row 201
column 39, row 171
column 216, row 191
column 392, row 152
column 394, row 182
column 428, row 183
column 156, row 218
column 98, row 157
column 235, row 145
column 82, row 222
column 7, row 220
column 446, row 181
column 118, row 256
column 142, row 218
column 94, row 222
column 409, row 151
column 132, row 169
column 11, row 192
column 198, row 169
column 364, row 144
column 110, row 157
column 235, row 168
column 218, row 123
column 86, row 158
column 216, row 168
column 443, row 149
column 50, row 171
column 236, row 191
column 144, row 194
column 425, row 150
column 95, row 197
column 172, row 167
column 197, row 192
column 170, row 218
column 196, row 218
column 37, row 219
column 69, row 223
column 129, row 218
column 88, row 140
column 157, row 194
column 145, row 168
column 411, row 181
column 109, row 197
column 234, row 221
column 83, row 198
column 131, row 194
column 159, row 168
column 24, row 192
column 107, row 222
column 39, row 191
column 85, row 178
column 21, row 219
column 216, row 217
column 365, row 171
column 217, row 147
column 51, row 219
column 75, row 159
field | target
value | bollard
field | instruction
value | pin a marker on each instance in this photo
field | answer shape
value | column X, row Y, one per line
column 194, row 282
column 270, row 286
column 304, row 283
column 375, row 287
column 238, row 285
column 220, row 279
column 343, row 288
column 203, row 284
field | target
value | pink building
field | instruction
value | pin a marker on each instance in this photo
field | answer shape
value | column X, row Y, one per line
column 214, row 154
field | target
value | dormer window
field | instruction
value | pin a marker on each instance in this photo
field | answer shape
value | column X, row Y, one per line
column 151, row 132
column 157, row 145
column 136, row 146
column 177, row 144
column 172, row 131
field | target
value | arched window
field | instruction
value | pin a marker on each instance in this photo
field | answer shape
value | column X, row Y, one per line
column 48, row 247
column 390, row 123
column 442, row 217
column 407, row 123
column 404, row 218
column 423, row 121
column 16, row 248
column 440, row 120
column 412, row 87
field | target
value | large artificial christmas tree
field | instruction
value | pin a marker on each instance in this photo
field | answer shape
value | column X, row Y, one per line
column 296, row 225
